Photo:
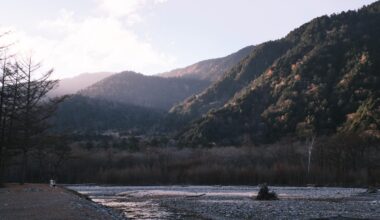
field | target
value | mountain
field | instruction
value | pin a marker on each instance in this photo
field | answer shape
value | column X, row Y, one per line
column 233, row 81
column 320, row 79
column 212, row 69
column 146, row 91
column 73, row 85
column 84, row 114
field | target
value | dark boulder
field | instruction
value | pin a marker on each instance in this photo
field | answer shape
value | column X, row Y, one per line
column 264, row 193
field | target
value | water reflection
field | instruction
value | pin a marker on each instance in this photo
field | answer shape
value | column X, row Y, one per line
column 135, row 210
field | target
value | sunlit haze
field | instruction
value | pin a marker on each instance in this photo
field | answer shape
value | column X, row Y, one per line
column 150, row 36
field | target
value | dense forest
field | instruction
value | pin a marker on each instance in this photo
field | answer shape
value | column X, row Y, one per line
column 85, row 115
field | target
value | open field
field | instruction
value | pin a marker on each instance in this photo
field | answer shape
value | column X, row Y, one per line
column 234, row 202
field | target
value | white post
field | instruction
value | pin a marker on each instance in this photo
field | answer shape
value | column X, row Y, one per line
column 52, row 183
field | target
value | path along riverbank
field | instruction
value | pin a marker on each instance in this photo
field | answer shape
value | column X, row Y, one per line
column 40, row 201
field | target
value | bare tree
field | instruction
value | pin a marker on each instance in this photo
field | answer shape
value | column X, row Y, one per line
column 7, row 104
column 34, row 107
column 24, row 107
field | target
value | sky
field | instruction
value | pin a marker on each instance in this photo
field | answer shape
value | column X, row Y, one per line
column 148, row 36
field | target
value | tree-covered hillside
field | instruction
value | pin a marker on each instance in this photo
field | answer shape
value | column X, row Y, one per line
column 146, row 91
column 322, row 78
column 84, row 114
column 233, row 81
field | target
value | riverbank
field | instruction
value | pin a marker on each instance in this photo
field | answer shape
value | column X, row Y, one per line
column 40, row 201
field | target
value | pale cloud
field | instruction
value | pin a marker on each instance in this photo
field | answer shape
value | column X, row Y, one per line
column 18, row 44
column 160, row 1
column 133, row 19
column 123, row 8
column 63, row 22
column 120, row 8
column 126, row 9
column 95, row 43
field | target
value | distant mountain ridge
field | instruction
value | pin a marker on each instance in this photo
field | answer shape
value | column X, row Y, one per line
column 74, row 84
column 210, row 69
column 105, row 101
column 146, row 91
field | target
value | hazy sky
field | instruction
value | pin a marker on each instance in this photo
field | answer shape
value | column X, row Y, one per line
column 149, row 36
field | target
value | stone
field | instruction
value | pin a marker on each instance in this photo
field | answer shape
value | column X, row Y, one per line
column 264, row 193
column 372, row 190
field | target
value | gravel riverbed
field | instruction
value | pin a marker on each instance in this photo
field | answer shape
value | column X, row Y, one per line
column 234, row 202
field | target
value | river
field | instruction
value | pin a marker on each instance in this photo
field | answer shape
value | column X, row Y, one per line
column 233, row 202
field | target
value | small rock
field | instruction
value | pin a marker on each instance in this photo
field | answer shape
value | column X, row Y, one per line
column 372, row 190
column 264, row 193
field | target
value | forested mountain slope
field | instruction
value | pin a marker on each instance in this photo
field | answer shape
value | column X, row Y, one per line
column 233, row 81
column 84, row 114
column 322, row 78
column 147, row 91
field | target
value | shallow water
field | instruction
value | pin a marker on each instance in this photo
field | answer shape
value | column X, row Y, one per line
column 198, row 202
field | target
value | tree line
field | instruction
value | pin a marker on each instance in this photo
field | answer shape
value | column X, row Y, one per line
column 349, row 160
column 24, row 108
